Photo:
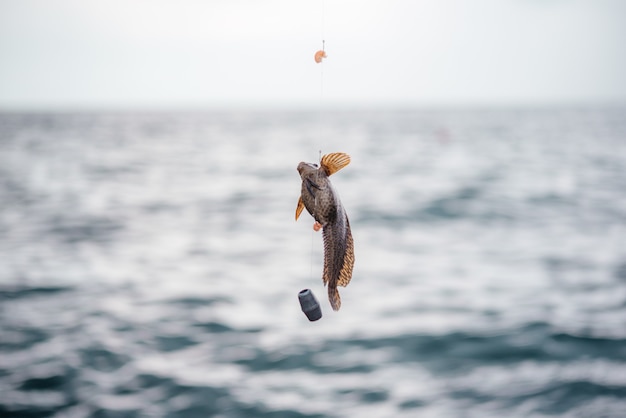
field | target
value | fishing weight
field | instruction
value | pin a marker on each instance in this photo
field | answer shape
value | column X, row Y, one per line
column 309, row 304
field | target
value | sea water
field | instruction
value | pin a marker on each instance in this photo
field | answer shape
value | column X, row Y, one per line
column 150, row 264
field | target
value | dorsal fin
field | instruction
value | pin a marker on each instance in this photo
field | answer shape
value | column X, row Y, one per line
column 345, row 275
column 331, row 163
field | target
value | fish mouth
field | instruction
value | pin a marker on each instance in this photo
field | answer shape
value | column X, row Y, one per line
column 302, row 166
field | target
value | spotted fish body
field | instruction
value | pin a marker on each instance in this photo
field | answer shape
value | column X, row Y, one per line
column 322, row 201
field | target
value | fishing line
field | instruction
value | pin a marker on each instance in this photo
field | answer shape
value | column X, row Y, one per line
column 319, row 58
column 322, row 73
column 323, row 49
column 312, row 240
column 322, row 20
column 313, row 235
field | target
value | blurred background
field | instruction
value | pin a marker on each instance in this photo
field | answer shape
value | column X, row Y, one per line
column 150, row 261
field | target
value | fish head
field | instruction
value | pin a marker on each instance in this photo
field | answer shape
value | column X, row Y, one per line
column 307, row 169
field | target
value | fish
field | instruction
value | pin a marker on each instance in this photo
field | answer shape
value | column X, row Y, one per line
column 321, row 200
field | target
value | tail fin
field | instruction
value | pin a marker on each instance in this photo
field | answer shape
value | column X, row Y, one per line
column 334, row 298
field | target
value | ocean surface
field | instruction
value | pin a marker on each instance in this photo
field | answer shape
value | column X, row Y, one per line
column 150, row 265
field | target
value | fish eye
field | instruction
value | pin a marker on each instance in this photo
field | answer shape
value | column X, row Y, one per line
column 313, row 165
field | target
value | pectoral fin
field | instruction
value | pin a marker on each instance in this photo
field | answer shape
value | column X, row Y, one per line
column 334, row 162
column 299, row 208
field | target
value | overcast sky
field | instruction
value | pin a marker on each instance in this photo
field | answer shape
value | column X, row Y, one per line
column 57, row 54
